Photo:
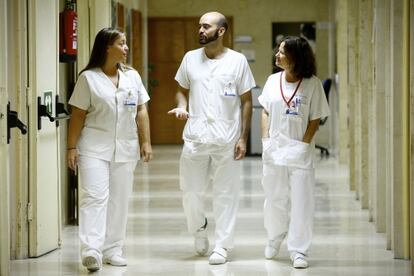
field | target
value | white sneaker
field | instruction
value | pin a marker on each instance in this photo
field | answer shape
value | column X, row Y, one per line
column 299, row 260
column 272, row 249
column 218, row 256
column 92, row 263
column 201, row 243
column 115, row 260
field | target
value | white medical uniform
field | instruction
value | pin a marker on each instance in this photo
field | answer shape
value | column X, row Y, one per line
column 288, row 166
column 210, row 135
column 108, row 152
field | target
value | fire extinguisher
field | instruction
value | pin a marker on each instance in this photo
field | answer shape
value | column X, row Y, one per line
column 68, row 43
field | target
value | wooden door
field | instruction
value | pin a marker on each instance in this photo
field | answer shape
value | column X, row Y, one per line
column 168, row 40
column 136, row 45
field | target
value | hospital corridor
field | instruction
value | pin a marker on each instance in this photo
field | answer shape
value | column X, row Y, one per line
column 308, row 102
column 157, row 243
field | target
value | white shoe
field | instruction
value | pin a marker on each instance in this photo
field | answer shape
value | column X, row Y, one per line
column 299, row 260
column 201, row 243
column 218, row 256
column 115, row 260
column 92, row 263
column 272, row 249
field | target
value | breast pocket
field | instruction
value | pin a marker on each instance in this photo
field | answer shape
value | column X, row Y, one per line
column 228, row 86
column 302, row 105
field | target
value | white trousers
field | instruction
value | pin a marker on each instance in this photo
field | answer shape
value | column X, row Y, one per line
column 289, row 205
column 198, row 163
column 103, row 209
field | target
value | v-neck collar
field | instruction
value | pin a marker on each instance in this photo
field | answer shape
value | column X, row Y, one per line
column 108, row 79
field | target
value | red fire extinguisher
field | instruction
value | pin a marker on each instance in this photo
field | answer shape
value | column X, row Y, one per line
column 68, row 43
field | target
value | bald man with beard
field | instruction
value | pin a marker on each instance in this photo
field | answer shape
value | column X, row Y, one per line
column 215, row 85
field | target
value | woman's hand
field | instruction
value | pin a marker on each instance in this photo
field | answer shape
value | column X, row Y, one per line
column 73, row 159
column 146, row 152
column 240, row 149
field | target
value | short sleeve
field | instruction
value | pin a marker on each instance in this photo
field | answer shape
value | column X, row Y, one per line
column 182, row 77
column 263, row 98
column 319, row 107
column 143, row 96
column 81, row 97
column 246, row 82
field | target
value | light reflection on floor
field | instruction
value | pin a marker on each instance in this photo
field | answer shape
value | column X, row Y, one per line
column 345, row 243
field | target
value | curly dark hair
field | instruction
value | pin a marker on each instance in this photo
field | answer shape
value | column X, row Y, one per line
column 299, row 52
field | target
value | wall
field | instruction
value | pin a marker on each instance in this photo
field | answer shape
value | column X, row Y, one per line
column 377, row 88
column 341, row 8
column 140, row 5
column 254, row 18
column 93, row 15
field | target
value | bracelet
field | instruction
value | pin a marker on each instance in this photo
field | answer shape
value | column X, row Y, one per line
column 71, row 148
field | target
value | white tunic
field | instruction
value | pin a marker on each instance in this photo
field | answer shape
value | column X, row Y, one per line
column 215, row 87
column 286, row 129
column 110, row 130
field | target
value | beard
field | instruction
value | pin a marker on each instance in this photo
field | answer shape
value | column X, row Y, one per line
column 203, row 40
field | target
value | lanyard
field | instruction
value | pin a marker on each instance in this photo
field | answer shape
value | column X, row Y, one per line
column 294, row 93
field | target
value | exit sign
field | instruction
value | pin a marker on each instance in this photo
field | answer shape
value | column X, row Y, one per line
column 48, row 101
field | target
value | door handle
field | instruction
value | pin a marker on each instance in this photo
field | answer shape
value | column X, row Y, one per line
column 13, row 121
column 60, row 109
column 42, row 112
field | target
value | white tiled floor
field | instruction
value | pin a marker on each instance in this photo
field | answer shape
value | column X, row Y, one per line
column 345, row 243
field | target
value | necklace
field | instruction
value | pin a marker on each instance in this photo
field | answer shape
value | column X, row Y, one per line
column 294, row 93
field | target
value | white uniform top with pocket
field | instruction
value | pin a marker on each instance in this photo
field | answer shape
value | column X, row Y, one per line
column 110, row 130
column 287, row 125
column 214, row 102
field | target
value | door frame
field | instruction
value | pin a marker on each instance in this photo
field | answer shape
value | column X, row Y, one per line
column 4, row 154
column 18, row 148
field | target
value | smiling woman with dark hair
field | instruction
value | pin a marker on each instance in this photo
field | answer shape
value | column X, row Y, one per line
column 300, row 54
column 108, row 116
column 294, row 102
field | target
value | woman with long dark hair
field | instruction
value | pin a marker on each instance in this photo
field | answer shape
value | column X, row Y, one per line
column 108, row 116
column 294, row 102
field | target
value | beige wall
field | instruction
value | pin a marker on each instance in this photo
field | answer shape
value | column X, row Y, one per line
column 141, row 5
column 377, row 72
column 254, row 18
column 341, row 8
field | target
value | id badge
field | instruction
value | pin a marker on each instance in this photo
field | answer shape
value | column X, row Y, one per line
column 292, row 109
column 130, row 101
column 230, row 90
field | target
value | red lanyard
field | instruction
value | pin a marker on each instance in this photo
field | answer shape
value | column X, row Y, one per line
column 294, row 93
